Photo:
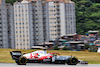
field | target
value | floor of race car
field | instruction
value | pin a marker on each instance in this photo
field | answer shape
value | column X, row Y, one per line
column 46, row 65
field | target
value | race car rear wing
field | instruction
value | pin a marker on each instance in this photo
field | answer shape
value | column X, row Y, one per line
column 15, row 55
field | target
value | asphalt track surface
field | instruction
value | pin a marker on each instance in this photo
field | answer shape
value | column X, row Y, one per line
column 46, row 65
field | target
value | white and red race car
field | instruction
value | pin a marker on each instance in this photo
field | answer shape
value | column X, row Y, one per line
column 42, row 56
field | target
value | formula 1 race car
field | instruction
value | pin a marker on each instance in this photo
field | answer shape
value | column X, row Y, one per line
column 42, row 56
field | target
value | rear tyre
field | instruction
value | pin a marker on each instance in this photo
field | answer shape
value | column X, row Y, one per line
column 21, row 61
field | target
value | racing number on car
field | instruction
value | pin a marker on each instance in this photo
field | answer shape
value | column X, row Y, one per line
column 34, row 55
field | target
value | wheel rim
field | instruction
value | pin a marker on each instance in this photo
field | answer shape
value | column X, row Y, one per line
column 74, row 60
column 23, row 60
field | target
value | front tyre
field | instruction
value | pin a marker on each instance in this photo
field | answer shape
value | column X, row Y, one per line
column 72, row 61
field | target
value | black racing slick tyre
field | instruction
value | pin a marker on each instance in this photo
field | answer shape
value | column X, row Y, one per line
column 21, row 61
column 72, row 61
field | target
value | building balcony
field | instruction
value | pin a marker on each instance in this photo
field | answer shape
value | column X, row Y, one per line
column 34, row 29
column 34, row 39
column 33, row 17
column 45, row 34
column 33, row 21
column 43, row 9
column 58, row 25
column 10, row 39
column 33, row 13
column 34, row 34
column 8, row 22
column 33, row 9
column 44, row 21
column 58, row 9
column 44, row 25
column 44, row 29
column 58, row 29
column 9, row 29
column 35, row 43
column 58, row 15
column 58, row 12
column 58, row 20
column 34, row 25
column 0, row 29
column 59, row 33
column 44, row 17
column 45, row 38
column 9, row 34
column 9, row 25
column 43, row 13
column 8, row 12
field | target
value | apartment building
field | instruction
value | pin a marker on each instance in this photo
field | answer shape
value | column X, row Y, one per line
column 3, row 25
column 28, row 24
column 22, row 18
column 58, row 18
column 40, row 22
column 61, row 17
column 6, row 25
column 37, row 21
column 10, row 24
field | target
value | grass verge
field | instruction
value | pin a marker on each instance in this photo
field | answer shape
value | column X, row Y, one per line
column 91, row 57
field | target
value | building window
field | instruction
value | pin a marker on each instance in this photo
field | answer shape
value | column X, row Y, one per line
column 23, row 39
column 20, row 36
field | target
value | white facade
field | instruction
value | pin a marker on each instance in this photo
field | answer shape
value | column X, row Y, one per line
column 62, row 19
column 28, row 24
column 23, row 20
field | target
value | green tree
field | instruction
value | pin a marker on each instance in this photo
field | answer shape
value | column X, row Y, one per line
column 93, row 49
column 56, row 47
column 87, row 46
column 87, row 16
column 11, row 1
column 65, row 48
